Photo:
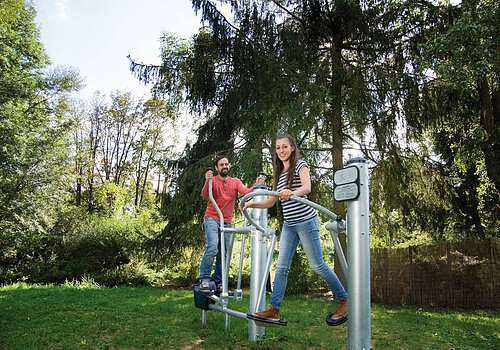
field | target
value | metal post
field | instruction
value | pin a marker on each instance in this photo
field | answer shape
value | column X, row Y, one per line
column 258, row 265
column 358, row 256
column 225, row 294
column 203, row 316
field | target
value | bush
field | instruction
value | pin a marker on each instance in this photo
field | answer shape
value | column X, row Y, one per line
column 88, row 253
column 135, row 273
column 77, row 245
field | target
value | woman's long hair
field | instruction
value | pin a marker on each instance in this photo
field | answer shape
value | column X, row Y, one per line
column 279, row 166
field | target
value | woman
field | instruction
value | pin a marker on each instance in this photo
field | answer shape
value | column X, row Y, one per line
column 291, row 177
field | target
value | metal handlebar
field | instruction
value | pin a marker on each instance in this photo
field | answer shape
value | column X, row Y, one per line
column 211, row 197
column 292, row 197
column 335, row 228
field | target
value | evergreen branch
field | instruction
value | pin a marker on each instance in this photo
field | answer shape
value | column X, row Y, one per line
column 316, row 149
column 312, row 166
column 208, row 10
column 145, row 72
column 291, row 14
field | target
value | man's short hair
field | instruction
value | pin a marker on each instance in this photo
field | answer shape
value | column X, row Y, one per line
column 219, row 158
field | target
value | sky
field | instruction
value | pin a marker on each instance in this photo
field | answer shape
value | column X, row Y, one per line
column 95, row 36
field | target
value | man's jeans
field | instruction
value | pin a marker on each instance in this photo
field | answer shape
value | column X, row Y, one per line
column 211, row 228
column 308, row 233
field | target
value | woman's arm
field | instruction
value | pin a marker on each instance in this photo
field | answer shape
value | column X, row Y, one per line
column 268, row 203
column 305, row 180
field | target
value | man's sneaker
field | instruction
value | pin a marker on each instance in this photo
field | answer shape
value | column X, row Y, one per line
column 271, row 313
column 206, row 287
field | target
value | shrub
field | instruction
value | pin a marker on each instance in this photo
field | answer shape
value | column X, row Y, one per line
column 78, row 245
column 134, row 273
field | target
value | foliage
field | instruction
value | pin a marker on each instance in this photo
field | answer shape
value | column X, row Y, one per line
column 247, row 101
column 331, row 74
column 108, row 249
column 301, row 278
column 413, row 86
column 118, row 148
column 33, row 154
column 98, row 245
column 134, row 273
column 458, row 104
column 22, row 54
column 410, row 200
column 60, row 163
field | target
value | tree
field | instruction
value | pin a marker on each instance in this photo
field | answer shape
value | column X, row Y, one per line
column 118, row 141
column 451, row 131
column 33, row 158
column 473, row 71
column 31, row 102
column 323, row 71
column 336, row 73
column 149, row 148
column 462, row 104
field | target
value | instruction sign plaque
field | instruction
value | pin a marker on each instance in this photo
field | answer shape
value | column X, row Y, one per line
column 346, row 184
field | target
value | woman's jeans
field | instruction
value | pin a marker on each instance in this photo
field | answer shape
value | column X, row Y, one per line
column 211, row 228
column 308, row 233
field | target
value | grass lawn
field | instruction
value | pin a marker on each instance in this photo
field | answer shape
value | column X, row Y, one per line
column 88, row 317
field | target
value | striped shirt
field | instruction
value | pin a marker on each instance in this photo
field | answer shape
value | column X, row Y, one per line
column 295, row 212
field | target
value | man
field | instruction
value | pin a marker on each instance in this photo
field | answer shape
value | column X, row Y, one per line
column 224, row 191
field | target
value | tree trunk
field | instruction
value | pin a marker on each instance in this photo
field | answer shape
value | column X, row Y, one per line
column 145, row 179
column 78, row 199
column 138, row 181
column 489, row 123
column 337, row 146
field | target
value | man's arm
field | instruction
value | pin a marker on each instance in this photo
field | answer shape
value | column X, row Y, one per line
column 243, row 190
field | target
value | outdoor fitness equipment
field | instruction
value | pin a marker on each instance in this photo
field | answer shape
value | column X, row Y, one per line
column 261, row 256
column 351, row 186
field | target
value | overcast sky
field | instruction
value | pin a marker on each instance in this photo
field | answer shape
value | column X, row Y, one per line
column 96, row 36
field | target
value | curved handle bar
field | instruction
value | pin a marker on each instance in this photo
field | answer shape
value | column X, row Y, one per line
column 292, row 197
column 211, row 197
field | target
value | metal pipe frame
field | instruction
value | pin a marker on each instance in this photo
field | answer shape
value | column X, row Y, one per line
column 259, row 258
column 357, row 269
column 228, row 311
column 258, row 265
column 334, row 228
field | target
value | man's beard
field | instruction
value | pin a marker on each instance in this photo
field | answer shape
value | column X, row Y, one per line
column 224, row 172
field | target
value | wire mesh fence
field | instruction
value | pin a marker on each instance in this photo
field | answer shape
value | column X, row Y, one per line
column 450, row 275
